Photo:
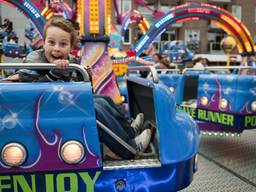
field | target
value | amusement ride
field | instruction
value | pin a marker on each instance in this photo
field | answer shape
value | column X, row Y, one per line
column 50, row 134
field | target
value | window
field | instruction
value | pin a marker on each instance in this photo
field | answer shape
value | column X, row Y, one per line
column 168, row 36
column 164, row 37
column 237, row 11
column 127, row 37
column 255, row 15
column 165, row 8
column 126, row 6
column 146, row 13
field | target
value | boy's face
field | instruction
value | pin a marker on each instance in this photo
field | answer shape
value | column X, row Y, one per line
column 57, row 44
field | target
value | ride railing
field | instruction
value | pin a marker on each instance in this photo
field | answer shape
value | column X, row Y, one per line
column 218, row 68
column 47, row 66
column 153, row 72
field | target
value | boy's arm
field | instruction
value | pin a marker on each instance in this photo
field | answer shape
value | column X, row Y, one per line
column 35, row 57
column 49, row 75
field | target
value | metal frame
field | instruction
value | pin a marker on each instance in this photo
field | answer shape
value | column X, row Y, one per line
column 45, row 66
column 215, row 68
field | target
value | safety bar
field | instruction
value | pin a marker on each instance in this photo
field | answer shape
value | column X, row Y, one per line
column 116, row 137
column 122, row 142
column 215, row 68
column 44, row 66
column 168, row 70
column 151, row 69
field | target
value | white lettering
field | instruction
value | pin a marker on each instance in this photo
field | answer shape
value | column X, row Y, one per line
column 142, row 43
column 163, row 20
column 31, row 9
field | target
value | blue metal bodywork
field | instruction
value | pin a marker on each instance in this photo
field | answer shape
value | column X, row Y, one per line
column 42, row 116
column 176, row 81
column 177, row 52
column 237, row 90
column 12, row 50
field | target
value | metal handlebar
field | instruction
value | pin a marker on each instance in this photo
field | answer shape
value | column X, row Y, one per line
column 168, row 70
column 151, row 69
column 45, row 66
column 215, row 68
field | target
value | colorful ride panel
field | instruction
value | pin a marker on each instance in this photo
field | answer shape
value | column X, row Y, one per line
column 131, row 17
column 223, row 103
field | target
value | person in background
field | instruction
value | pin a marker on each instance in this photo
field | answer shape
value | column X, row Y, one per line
column 12, row 38
column 7, row 26
column 205, row 62
column 247, row 62
column 164, row 64
column 165, row 55
column 251, row 61
column 198, row 63
column 156, row 59
column 59, row 38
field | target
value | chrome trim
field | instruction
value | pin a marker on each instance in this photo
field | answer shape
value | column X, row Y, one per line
column 76, row 67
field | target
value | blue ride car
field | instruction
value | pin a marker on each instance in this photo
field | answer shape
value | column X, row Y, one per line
column 222, row 104
column 50, row 140
column 177, row 52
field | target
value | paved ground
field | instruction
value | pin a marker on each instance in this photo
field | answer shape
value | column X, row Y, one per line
column 226, row 164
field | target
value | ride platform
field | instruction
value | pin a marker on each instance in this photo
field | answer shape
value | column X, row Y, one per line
column 226, row 164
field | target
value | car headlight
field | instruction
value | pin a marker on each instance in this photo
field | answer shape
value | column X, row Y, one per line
column 13, row 154
column 72, row 152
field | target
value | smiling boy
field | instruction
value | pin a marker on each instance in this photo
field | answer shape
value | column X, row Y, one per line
column 59, row 37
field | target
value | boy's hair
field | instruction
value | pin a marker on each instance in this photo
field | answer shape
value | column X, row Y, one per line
column 63, row 24
column 75, row 24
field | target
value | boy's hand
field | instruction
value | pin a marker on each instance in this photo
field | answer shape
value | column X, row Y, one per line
column 14, row 77
column 61, row 63
column 89, row 70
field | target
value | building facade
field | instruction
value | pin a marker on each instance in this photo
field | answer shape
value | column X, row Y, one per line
column 206, row 35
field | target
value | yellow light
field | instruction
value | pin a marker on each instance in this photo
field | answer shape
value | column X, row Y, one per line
column 248, row 46
column 254, row 106
column 246, row 40
column 80, row 13
column 223, row 104
column 231, row 22
column 172, row 89
column 204, row 101
column 108, row 21
column 229, row 32
column 146, row 23
column 72, row 152
column 44, row 10
column 49, row 15
column 212, row 133
column 94, row 17
column 123, row 98
column 248, row 33
column 13, row 154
